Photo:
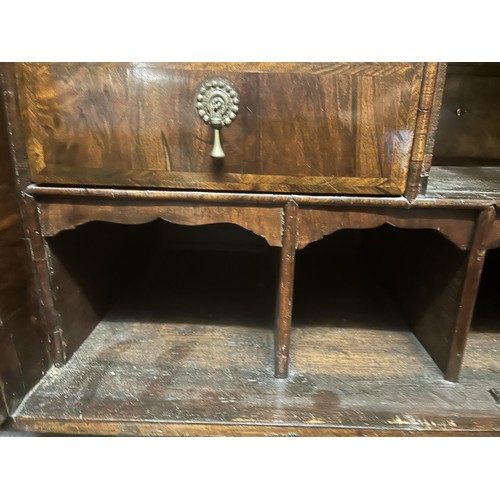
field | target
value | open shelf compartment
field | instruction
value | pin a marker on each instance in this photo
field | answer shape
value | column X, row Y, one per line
column 466, row 156
column 356, row 368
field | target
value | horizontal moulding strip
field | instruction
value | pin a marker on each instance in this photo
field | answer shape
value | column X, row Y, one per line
column 265, row 198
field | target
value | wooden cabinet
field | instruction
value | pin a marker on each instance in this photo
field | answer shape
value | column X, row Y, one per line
column 318, row 279
column 305, row 128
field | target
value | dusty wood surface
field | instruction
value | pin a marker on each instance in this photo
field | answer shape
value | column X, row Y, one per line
column 464, row 183
column 332, row 128
column 160, row 378
column 178, row 360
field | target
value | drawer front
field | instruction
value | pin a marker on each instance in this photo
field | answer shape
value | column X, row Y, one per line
column 312, row 128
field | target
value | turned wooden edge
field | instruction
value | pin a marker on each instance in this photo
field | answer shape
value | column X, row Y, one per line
column 475, row 261
column 56, row 194
column 315, row 228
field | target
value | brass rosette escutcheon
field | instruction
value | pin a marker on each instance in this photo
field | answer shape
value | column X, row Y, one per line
column 217, row 103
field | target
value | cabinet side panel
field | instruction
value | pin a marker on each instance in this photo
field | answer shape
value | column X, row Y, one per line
column 424, row 274
column 22, row 356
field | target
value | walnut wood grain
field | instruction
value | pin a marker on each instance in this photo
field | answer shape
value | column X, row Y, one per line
column 463, row 320
column 285, row 290
column 435, row 285
column 315, row 223
column 315, row 68
column 428, row 157
column 427, row 123
column 424, row 274
column 23, row 357
column 339, row 128
column 434, row 199
column 264, row 221
column 50, row 319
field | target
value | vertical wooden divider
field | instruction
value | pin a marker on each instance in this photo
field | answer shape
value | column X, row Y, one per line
column 285, row 290
column 475, row 261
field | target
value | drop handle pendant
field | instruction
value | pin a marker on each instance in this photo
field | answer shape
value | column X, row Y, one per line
column 217, row 104
column 217, row 151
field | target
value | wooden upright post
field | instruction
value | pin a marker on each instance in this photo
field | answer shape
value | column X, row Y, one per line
column 285, row 290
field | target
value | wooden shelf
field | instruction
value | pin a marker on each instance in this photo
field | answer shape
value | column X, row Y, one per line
column 465, row 183
column 153, row 368
column 171, row 379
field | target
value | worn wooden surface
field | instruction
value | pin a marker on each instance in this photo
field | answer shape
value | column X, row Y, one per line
column 464, row 184
column 264, row 221
column 427, row 122
column 435, row 286
column 469, row 125
column 22, row 355
column 339, row 128
column 317, row 222
column 475, row 261
column 284, row 305
column 144, row 371
column 436, row 199
column 72, row 207
column 418, row 184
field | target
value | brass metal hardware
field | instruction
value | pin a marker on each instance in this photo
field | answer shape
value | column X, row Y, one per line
column 217, row 104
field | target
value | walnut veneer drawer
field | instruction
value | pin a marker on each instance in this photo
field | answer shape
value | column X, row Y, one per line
column 301, row 127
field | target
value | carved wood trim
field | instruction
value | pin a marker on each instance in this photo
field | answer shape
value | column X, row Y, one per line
column 264, row 221
column 316, row 223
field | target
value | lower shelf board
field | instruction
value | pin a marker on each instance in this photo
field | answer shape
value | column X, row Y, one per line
column 464, row 183
column 137, row 378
